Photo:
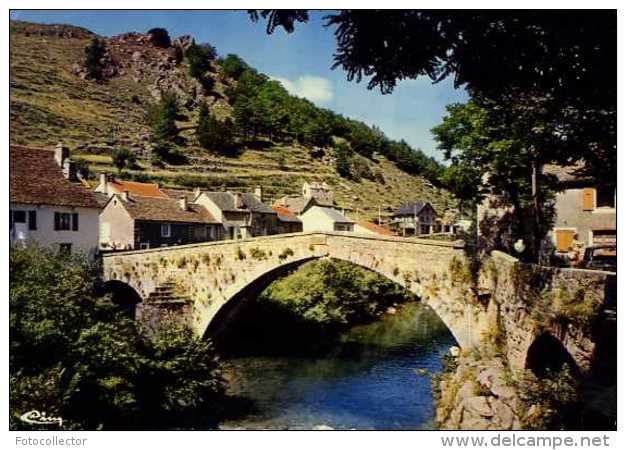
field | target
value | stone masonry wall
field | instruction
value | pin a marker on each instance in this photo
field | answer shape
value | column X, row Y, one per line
column 533, row 300
column 211, row 274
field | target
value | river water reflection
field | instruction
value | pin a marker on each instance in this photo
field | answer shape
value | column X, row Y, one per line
column 367, row 380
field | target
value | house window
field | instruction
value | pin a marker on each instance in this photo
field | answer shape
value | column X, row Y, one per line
column 63, row 221
column 32, row 220
column 605, row 197
column 65, row 249
column 604, row 237
column 166, row 230
column 19, row 216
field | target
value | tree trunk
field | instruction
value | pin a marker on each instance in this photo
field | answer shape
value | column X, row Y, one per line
column 537, row 206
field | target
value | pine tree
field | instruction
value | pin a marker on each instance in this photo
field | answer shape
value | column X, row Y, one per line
column 93, row 54
column 343, row 161
column 162, row 118
column 213, row 134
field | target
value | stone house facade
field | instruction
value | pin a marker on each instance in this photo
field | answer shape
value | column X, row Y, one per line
column 135, row 222
column 319, row 218
column 415, row 218
column 241, row 214
column 585, row 210
column 49, row 204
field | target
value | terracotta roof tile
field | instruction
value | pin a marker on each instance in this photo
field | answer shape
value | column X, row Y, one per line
column 140, row 189
column 36, row 178
column 284, row 214
column 376, row 228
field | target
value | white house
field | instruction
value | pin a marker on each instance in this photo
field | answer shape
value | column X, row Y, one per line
column 320, row 218
column 48, row 204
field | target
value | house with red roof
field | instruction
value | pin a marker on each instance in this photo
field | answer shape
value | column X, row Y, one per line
column 109, row 185
column 363, row 227
column 48, row 203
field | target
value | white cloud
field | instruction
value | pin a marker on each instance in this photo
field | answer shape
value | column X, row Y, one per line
column 316, row 89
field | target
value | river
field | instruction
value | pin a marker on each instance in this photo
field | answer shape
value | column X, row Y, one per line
column 367, row 380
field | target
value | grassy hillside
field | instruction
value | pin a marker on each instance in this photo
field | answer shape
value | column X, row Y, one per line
column 50, row 103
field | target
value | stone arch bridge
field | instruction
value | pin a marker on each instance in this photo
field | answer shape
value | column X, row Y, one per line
column 204, row 283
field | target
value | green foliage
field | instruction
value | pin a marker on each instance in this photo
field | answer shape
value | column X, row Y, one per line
column 164, row 152
column 334, row 293
column 123, row 158
column 233, row 66
column 560, row 304
column 199, row 58
column 257, row 253
column 286, row 253
column 94, row 52
column 82, row 167
column 73, row 354
column 162, row 117
column 343, row 154
column 555, row 398
column 213, row 134
column 479, row 142
column 160, row 37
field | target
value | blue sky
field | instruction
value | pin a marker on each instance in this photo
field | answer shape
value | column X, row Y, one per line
column 301, row 61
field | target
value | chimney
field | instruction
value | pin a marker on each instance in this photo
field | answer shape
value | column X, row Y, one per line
column 239, row 200
column 125, row 195
column 61, row 153
column 258, row 193
column 183, row 203
column 69, row 170
column 104, row 183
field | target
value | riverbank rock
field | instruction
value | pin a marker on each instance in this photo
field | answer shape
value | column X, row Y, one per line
column 476, row 396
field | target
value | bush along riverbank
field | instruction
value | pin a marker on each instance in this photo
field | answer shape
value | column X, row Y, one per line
column 76, row 356
column 305, row 311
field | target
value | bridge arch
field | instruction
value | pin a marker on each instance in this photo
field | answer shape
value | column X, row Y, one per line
column 548, row 354
column 211, row 274
column 123, row 295
column 253, row 288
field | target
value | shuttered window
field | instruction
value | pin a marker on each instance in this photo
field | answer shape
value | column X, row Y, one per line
column 564, row 239
column 588, row 199
column 74, row 221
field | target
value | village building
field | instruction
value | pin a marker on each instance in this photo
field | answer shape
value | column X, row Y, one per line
column 139, row 222
column 415, row 218
column 48, row 202
column 321, row 218
column 288, row 222
column 363, row 227
column 315, row 208
column 109, row 185
column 585, row 210
column 313, row 193
column 241, row 214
